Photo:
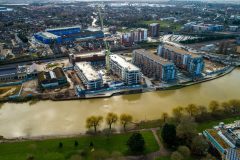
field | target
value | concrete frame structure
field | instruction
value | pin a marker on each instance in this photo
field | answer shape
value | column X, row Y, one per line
column 88, row 75
column 128, row 72
column 154, row 66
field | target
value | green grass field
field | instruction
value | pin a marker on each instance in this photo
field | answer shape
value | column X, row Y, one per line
column 165, row 24
column 210, row 124
column 49, row 150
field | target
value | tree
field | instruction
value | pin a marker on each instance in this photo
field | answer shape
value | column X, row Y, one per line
column 94, row 121
column 125, row 119
column 168, row 134
column 184, row 150
column 176, row 156
column 136, row 143
column 202, row 109
column 178, row 112
column 75, row 143
column 60, row 145
column 191, row 109
column 165, row 116
column 111, row 119
column 213, row 106
column 199, row 146
column 235, row 105
column 186, row 130
column 226, row 106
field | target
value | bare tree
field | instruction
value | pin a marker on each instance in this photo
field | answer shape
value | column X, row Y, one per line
column 94, row 121
column 111, row 119
column 125, row 119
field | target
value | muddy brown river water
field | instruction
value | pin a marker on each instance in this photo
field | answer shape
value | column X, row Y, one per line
column 68, row 117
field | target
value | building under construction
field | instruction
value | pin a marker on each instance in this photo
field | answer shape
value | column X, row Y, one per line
column 93, row 58
column 154, row 66
column 182, row 58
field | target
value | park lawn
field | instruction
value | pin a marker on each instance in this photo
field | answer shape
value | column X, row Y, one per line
column 163, row 158
column 210, row 124
column 164, row 24
column 49, row 150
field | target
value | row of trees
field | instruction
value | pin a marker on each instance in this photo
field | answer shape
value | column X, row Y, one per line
column 214, row 110
column 180, row 130
column 111, row 119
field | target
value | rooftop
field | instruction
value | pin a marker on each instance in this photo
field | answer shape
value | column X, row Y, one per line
column 153, row 57
column 63, row 28
column 154, row 24
column 179, row 49
column 123, row 63
column 48, row 35
column 90, row 73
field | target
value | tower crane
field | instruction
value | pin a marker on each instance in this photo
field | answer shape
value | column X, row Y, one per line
column 107, row 52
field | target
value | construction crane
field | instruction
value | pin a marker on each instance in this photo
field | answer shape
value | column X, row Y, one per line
column 107, row 52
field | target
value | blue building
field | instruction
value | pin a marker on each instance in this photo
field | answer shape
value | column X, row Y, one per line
column 48, row 38
column 67, row 34
column 182, row 58
column 64, row 31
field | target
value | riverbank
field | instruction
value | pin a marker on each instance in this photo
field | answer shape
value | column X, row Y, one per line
column 38, row 117
column 49, row 149
column 108, row 94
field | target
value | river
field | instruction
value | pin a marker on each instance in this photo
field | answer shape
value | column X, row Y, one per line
column 68, row 117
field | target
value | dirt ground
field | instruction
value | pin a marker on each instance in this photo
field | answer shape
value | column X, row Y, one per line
column 8, row 91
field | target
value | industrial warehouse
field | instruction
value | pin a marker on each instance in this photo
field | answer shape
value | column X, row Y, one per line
column 67, row 34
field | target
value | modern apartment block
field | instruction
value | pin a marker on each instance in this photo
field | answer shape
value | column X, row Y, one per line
column 154, row 66
column 137, row 35
column 91, row 79
column 154, row 29
column 128, row 72
column 182, row 58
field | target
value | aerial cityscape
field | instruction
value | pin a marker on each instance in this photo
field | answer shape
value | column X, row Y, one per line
column 120, row 80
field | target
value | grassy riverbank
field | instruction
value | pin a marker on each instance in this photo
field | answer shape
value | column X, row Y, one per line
column 49, row 149
column 209, row 124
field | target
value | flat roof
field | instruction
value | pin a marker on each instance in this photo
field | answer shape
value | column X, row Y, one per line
column 7, row 71
column 85, row 55
column 154, row 24
column 178, row 49
column 123, row 63
column 48, row 35
column 63, row 28
column 90, row 73
column 153, row 57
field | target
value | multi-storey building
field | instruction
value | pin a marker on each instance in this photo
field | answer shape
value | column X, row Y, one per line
column 88, row 75
column 154, row 66
column 154, row 29
column 128, row 72
column 182, row 58
column 137, row 35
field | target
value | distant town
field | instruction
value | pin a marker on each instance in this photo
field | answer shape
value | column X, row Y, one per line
column 69, row 55
column 63, row 51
